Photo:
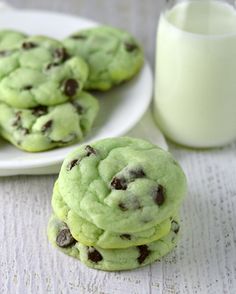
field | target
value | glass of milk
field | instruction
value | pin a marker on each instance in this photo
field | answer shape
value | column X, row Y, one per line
column 195, row 89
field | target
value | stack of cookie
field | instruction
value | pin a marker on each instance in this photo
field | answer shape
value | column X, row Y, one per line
column 116, row 204
column 42, row 82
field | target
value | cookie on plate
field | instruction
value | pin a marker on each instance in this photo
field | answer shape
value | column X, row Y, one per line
column 41, row 73
column 88, row 234
column 43, row 128
column 10, row 39
column 122, row 184
column 9, row 45
column 112, row 259
column 113, row 55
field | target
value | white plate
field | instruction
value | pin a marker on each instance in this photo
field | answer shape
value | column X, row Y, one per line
column 120, row 108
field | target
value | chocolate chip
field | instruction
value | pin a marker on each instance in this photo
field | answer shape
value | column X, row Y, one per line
column 72, row 164
column 122, row 206
column 27, row 87
column 143, row 253
column 5, row 53
column 94, row 255
column 28, row 45
column 125, row 236
column 46, row 126
column 159, row 195
column 146, row 220
column 75, row 162
column 40, row 110
column 16, row 122
column 61, row 54
column 78, row 107
column 175, row 227
column 133, row 205
column 53, row 64
column 135, row 174
column 8, row 52
column 130, row 47
column 136, row 204
column 119, row 183
column 64, row 238
column 25, row 131
column 70, row 87
column 78, row 37
column 90, row 150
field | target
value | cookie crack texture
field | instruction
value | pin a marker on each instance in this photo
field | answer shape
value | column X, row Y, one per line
column 87, row 187
column 43, row 128
column 112, row 64
column 41, row 73
column 99, row 176
column 102, row 73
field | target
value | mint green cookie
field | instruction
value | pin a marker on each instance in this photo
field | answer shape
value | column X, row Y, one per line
column 43, row 128
column 88, row 234
column 9, row 44
column 10, row 39
column 113, row 55
column 122, row 185
column 41, row 73
column 111, row 259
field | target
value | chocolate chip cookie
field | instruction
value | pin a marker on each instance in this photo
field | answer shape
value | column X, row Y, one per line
column 45, row 127
column 113, row 55
column 122, row 184
column 41, row 72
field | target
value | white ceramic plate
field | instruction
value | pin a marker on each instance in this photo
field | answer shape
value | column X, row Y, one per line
column 120, row 109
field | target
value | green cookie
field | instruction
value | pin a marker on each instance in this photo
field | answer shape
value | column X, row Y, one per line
column 122, row 185
column 43, row 128
column 10, row 39
column 88, row 234
column 111, row 259
column 113, row 55
column 9, row 44
column 41, row 72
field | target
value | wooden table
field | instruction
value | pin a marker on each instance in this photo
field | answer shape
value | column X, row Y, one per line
column 205, row 259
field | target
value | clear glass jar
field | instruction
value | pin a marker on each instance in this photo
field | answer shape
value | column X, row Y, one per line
column 195, row 89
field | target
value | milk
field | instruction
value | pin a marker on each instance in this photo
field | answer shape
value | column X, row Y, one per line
column 195, row 94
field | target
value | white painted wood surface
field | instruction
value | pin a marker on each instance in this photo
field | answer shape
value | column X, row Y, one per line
column 205, row 259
